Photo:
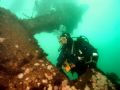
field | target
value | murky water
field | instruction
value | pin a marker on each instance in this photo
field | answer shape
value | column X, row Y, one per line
column 100, row 24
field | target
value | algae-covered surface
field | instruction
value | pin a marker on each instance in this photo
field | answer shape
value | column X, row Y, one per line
column 23, row 64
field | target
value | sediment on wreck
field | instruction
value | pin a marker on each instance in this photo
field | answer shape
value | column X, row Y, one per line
column 16, row 45
column 19, row 54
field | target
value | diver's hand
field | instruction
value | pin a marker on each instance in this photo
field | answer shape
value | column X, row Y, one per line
column 73, row 65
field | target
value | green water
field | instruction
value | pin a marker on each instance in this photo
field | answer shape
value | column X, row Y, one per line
column 100, row 23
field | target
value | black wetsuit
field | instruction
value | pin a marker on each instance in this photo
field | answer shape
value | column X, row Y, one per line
column 78, row 53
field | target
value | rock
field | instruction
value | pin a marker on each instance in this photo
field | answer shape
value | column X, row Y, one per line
column 16, row 46
column 87, row 88
column 56, row 88
column 73, row 88
column 27, row 70
column 27, row 78
column 50, row 87
column 49, row 67
column 48, row 76
column 28, row 88
column 64, row 83
column 1, row 39
column 45, row 81
column 36, row 64
column 20, row 76
column 38, row 84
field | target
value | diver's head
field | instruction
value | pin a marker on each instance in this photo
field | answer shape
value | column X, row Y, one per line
column 65, row 38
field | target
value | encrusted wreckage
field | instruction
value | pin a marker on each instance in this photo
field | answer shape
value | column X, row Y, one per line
column 23, row 65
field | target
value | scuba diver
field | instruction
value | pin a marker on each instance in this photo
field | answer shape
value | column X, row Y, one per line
column 76, row 55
